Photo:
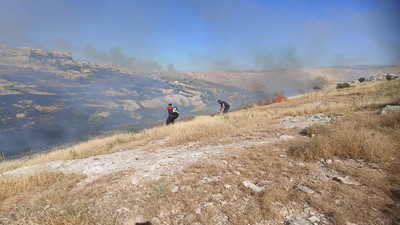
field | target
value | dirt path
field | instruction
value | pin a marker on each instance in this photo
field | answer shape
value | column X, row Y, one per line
column 147, row 164
column 163, row 161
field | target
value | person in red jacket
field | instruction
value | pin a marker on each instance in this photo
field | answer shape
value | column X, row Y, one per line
column 172, row 114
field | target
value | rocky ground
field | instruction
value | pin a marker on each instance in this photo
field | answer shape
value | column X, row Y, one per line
column 154, row 162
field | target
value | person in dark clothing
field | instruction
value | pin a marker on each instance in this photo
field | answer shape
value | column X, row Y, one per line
column 173, row 113
column 224, row 106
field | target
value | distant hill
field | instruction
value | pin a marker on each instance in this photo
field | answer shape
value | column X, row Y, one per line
column 294, row 81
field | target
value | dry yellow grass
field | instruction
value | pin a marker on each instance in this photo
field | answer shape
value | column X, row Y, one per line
column 356, row 136
column 29, row 194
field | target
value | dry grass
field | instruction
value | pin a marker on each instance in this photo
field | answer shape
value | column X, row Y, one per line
column 53, row 198
column 361, row 133
column 358, row 136
column 41, row 198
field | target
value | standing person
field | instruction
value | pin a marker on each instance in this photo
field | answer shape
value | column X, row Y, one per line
column 224, row 106
column 173, row 113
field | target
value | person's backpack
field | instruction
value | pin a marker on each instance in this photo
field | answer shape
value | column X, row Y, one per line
column 175, row 109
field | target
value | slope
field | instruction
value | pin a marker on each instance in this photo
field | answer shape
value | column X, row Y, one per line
column 325, row 157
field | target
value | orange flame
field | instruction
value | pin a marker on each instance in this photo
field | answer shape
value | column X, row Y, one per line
column 279, row 98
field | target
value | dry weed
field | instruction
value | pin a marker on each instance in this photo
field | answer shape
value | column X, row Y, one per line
column 357, row 136
column 41, row 198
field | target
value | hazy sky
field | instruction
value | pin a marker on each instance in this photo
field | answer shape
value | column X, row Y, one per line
column 201, row 35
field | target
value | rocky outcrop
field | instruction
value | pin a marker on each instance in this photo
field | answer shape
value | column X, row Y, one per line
column 56, row 62
column 383, row 77
column 389, row 109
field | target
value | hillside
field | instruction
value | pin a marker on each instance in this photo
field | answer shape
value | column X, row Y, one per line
column 292, row 81
column 48, row 99
column 324, row 157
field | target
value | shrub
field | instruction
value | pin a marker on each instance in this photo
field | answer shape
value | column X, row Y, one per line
column 362, row 79
column 95, row 121
column 342, row 85
column 389, row 77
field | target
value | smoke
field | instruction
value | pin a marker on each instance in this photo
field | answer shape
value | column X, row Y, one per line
column 67, row 45
column 170, row 68
column 112, row 56
column 289, row 86
column 324, row 35
column 116, row 56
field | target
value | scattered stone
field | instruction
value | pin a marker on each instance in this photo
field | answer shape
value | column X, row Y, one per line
column 306, row 189
column 175, row 189
column 134, row 181
column 253, row 187
column 313, row 219
column 382, row 77
column 305, row 121
column 298, row 220
column 350, row 223
column 277, row 204
column 389, row 109
column 265, row 183
column 284, row 212
column 237, row 173
column 140, row 219
column 217, row 197
column 186, row 188
column 285, row 137
column 345, row 180
column 209, row 179
column 123, row 210
column 208, row 204
column 198, row 211
column 227, row 186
